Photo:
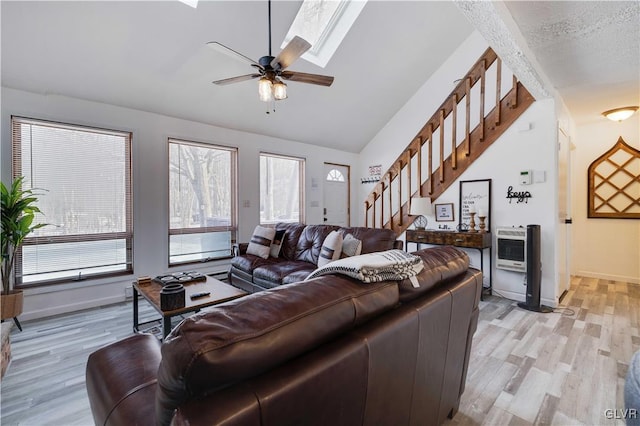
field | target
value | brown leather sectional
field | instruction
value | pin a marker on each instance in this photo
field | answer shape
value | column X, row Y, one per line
column 328, row 351
column 299, row 255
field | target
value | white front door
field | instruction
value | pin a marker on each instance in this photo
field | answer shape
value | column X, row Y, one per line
column 336, row 195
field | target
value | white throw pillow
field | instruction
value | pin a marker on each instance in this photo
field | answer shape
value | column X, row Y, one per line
column 351, row 246
column 260, row 244
column 331, row 248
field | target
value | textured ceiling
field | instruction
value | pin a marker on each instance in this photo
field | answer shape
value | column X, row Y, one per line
column 590, row 50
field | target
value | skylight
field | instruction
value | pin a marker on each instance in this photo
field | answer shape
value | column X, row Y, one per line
column 192, row 3
column 324, row 24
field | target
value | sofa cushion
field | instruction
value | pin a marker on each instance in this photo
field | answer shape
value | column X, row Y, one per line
column 251, row 335
column 373, row 239
column 310, row 242
column 290, row 241
column 260, row 244
column 331, row 248
column 248, row 262
column 441, row 264
column 275, row 272
column 299, row 275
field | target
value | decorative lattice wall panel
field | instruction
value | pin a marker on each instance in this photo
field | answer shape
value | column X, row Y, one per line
column 614, row 183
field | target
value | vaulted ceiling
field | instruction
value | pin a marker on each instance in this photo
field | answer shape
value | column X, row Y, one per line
column 151, row 55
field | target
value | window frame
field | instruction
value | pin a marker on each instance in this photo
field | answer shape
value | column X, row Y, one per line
column 232, row 228
column 301, row 185
column 127, row 235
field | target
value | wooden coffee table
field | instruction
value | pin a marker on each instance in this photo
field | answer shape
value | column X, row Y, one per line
column 218, row 292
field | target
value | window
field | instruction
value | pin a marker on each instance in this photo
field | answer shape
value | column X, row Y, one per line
column 202, row 201
column 335, row 175
column 85, row 179
column 281, row 183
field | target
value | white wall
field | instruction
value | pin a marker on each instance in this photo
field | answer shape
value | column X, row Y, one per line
column 533, row 149
column 603, row 248
column 150, row 177
column 385, row 147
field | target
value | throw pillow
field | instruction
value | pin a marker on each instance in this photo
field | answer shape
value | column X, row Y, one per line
column 331, row 248
column 351, row 246
column 260, row 243
column 276, row 245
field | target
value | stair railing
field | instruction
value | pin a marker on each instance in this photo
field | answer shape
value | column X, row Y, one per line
column 448, row 141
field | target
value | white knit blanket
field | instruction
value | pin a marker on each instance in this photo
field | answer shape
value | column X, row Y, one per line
column 374, row 267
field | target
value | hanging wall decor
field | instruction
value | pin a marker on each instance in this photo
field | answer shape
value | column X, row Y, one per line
column 614, row 183
column 475, row 203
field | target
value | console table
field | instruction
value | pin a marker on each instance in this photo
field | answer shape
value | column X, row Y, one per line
column 474, row 240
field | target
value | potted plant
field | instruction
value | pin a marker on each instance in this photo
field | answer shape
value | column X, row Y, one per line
column 18, row 212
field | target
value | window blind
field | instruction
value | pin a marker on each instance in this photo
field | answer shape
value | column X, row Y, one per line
column 83, row 178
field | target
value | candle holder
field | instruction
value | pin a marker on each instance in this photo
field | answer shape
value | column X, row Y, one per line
column 472, row 223
column 482, row 224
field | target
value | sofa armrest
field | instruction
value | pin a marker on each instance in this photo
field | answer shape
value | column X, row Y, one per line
column 121, row 381
column 398, row 244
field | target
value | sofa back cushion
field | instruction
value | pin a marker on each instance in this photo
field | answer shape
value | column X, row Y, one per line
column 248, row 336
column 441, row 264
column 291, row 237
column 310, row 242
column 373, row 239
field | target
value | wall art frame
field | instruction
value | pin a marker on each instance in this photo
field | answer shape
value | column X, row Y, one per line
column 475, row 194
column 614, row 184
column 444, row 212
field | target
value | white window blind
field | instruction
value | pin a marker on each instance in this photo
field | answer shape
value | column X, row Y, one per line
column 83, row 176
column 202, row 201
column 281, row 183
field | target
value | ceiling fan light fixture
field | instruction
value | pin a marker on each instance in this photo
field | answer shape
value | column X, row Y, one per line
column 620, row 114
column 279, row 90
column 265, row 89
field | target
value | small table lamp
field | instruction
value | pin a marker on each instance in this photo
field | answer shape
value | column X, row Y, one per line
column 420, row 206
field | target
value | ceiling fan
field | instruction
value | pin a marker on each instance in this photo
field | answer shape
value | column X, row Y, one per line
column 271, row 70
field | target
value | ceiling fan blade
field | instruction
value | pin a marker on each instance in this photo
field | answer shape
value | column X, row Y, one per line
column 219, row 47
column 303, row 77
column 292, row 51
column 237, row 79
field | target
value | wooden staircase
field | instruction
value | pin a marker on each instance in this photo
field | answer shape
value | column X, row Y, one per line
column 447, row 142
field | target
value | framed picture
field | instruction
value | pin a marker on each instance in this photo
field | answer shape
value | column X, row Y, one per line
column 444, row 212
column 475, row 196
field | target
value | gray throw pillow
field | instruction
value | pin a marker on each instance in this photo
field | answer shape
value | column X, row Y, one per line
column 351, row 246
column 260, row 244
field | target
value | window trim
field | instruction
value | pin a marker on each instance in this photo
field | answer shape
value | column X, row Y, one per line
column 127, row 235
column 301, row 187
column 233, row 228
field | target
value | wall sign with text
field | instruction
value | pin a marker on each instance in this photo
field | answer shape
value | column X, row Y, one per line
column 475, row 197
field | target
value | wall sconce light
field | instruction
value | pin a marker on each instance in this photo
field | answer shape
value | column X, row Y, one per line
column 620, row 114
column 420, row 206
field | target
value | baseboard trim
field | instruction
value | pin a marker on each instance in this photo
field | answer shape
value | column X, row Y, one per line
column 73, row 307
column 520, row 297
column 620, row 278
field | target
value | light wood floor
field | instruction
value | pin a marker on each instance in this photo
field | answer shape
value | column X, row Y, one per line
column 525, row 368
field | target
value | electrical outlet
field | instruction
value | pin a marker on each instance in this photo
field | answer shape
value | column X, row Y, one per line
column 128, row 292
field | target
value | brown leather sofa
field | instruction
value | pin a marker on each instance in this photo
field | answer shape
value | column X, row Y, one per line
column 299, row 255
column 328, row 351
